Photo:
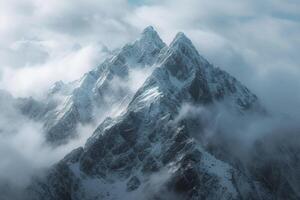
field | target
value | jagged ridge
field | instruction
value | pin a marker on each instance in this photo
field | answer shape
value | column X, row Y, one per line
column 125, row 154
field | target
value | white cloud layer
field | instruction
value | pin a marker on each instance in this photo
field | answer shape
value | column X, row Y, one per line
column 43, row 41
column 23, row 148
column 36, row 79
column 256, row 41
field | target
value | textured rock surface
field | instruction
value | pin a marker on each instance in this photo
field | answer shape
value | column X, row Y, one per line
column 96, row 94
column 149, row 152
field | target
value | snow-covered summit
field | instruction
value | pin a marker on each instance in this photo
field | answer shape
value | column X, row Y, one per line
column 150, row 35
column 144, row 153
column 183, row 71
column 97, row 92
column 179, row 68
column 124, row 153
column 181, row 38
column 185, row 46
column 144, row 50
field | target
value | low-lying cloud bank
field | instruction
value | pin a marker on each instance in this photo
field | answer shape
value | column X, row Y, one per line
column 35, row 80
column 239, row 136
column 24, row 150
column 45, row 41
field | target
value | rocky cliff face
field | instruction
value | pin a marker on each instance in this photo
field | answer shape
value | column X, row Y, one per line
column 150, row 150
column 96, row 94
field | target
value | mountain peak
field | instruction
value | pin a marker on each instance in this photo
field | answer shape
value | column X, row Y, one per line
column 148, row 29
column 181, row 58
column 182, row 37
column 146, row 48
column 152, row 134
column 150, row 35
column 182, row 40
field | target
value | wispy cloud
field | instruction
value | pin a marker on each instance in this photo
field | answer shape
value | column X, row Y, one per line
column 45, row 41
column 256, row 41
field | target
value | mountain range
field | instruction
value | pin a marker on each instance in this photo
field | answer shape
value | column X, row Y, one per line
column 152, row 139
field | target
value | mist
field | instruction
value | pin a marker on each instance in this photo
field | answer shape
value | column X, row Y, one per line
column 42, row 42
column 256, row 41
column 251, row 141
column 24, row 150
column 35, row 80
column 246, row 127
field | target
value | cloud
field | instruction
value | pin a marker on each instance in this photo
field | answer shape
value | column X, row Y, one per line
column 24, row 151
column 39, row 40
column 23, row 147
column 45, row 41
column 231, row 136
column 253, row 40
column 36, row 79
column 251, row 142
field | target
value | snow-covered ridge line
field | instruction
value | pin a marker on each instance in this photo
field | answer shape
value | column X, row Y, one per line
column 130, row 153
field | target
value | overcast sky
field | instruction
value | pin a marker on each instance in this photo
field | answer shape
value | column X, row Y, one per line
column 257, row 41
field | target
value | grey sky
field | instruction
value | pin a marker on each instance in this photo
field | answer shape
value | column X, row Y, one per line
column 256, row 41
column 43, row 41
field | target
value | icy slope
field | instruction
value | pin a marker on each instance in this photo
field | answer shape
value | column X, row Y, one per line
column 145, row 153
column 95, row 95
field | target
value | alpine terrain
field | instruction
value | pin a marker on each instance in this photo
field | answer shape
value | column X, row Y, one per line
column 156, row 145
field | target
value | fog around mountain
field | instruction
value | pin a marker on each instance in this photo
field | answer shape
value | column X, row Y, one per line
column 61, row 77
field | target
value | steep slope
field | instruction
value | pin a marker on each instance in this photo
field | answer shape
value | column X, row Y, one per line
column 147, row 152
column 96, row 94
